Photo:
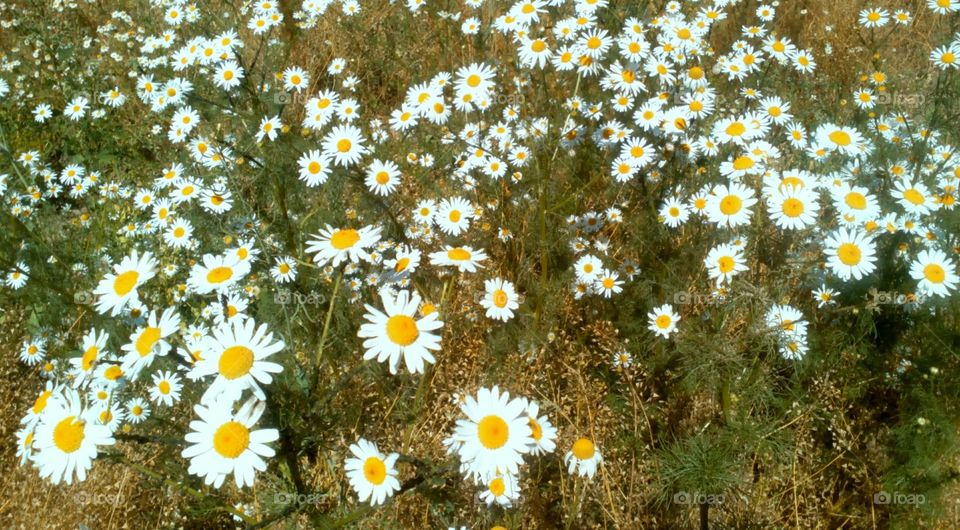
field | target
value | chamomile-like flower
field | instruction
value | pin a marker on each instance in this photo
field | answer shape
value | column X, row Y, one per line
column 663, row 320
column 119, row 288
column 583, row 458
column 223, row 442
column 500, row 299
column 395, row 333
column 235, row 354
column 372, row 474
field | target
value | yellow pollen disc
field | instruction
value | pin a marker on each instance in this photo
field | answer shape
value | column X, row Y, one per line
column 402, row 330
column 663, row 321
column 934, row 273
column 342, row 239
column 792, row 207
column 914, row 196
column 231, row 439
column 88, row 358
column 235, row 362
column 124, row 283
column 536, row 431
column 178, row 232
column 113, row 373
column 344, row 145
column 594, row 42
column 743, row 163
column 314, row 167
column 458, row 254
column 473, row 80
column 146, row 341
column 374, row 470
column 849, row 254
column 493, row 432
column 730, row 205
column 500, row 298
column 382, row 178
column 219, row 274
column 855, row 200
column 725, row 264
column 41, row 402
column 68, row 435
column 538, row 46
column 583, row 449
column 402, row 264
column 497, row 487
column 840, row 138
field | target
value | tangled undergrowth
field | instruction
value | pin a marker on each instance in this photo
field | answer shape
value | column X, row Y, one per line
column 444, row 264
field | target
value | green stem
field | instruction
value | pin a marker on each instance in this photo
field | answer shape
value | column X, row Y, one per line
column 326, row 322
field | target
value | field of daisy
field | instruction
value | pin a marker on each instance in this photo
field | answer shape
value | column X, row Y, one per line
column 480, row 264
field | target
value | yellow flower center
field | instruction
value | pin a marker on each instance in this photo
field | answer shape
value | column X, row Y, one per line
column 934, row 273
column 663, row 321
column 88, row 358
column 68, row 435
column 914, row 196
column 231, row 439
column 219, row 274
column 849, row 254
column 41, row 402
column 402, row 330
column 583, row 449
column 725, row 264
column 730, row 205
column 497, row 487
column 840, row 138
column 500, row 298
column 344, row 145
column 147, row 340
column 473, row 80
column 855, row 200
column 493, row 432
column 342, row 239
column 235, row 362
column 374, row 470
column 458, row 254
column 124, row 283
column 792, row 207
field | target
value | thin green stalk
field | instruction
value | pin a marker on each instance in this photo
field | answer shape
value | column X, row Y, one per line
column 326, row 322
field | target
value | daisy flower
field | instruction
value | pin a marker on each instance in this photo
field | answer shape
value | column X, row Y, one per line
column 935, row 272
column 382, row 177
column 94, row 348
column 583, row 458
column 67, row 439
column 148, row 341
column 729, row 205
column 724, row 261
column 663, row 320
column 502, row 490
column 453, row 216
column 395, row 332
column 495, row 434
column 235, row 353
column 824, row 296
column 137, row 410
column 223, row 442
column 372, row 474
column 542, row 431
column 344, row 144
column 217, row 273
column 119, row 288
column 284, row 269
column 500, row 299
column 464, row 258
column 793, row 207
column 674, row 213
column 334, row 246
column 166, row 388
column 850, row 254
